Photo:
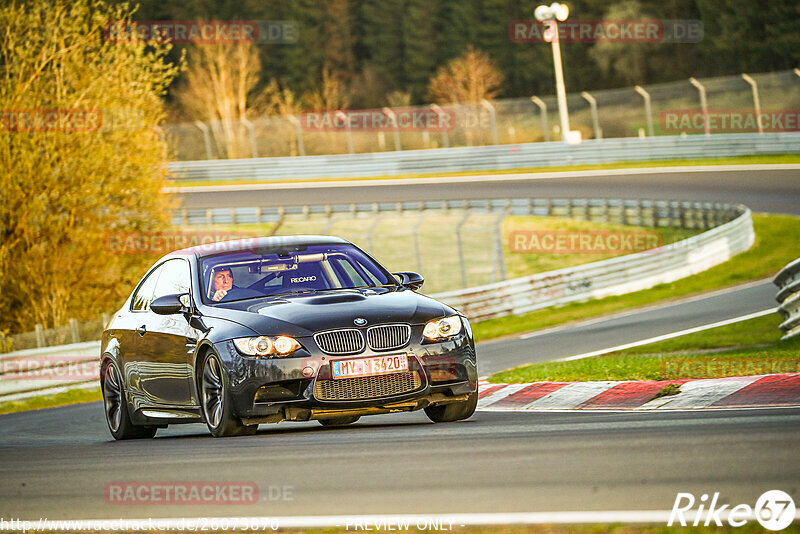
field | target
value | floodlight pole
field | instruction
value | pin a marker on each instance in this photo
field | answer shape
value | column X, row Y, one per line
column 560, row 90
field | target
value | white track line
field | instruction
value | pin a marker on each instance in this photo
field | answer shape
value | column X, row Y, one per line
column 647, row 308
column 333, row 182
column 669, row 336
column 399, row 522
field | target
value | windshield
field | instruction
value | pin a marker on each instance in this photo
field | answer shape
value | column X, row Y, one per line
column 289, row 270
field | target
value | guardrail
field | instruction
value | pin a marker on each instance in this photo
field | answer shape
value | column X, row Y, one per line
column 615, row 276
column 494, row 157
column 34, row 372
column 788, row 280
column 731, row 232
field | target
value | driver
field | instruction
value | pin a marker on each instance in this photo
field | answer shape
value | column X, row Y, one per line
column 222, row 287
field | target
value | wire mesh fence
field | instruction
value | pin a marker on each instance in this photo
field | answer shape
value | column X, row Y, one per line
column 619, row 113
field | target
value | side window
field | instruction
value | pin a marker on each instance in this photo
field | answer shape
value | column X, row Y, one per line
column 175, row 276
column 144, row 295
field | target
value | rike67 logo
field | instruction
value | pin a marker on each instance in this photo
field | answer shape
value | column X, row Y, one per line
column 774, row 510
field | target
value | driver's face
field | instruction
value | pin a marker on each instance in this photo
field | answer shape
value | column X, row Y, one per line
column 223, row 280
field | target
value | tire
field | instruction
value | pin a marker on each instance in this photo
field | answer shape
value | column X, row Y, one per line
column 339, row 421
column 454, row 411
column 216, row 401
column 116, row 407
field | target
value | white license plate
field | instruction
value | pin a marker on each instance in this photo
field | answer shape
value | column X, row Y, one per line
column 379, row 365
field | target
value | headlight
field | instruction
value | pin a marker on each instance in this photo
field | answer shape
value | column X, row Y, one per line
column 439, row 329
column 266, row 346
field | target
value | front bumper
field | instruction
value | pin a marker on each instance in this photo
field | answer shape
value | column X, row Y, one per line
column 277, row 389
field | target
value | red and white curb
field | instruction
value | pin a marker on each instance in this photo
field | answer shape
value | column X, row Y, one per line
column 729, row 392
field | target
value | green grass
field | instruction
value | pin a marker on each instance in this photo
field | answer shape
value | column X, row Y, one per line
column 73, row 396
column 770, row 252
column 747, row 348
column 739, row 160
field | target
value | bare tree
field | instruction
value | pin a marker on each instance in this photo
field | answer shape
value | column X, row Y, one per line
column 469, row 78
column 218, row 89
column 331, row 94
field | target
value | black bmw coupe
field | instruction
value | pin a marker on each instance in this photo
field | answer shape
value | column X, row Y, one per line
column 281, row 329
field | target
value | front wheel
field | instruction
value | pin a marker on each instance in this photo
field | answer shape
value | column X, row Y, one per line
column 215, row 393
column 454, row 411
column 116, row 407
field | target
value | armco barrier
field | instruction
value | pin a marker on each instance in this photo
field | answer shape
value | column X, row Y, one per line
column 615, row 276
column 477, row 158
column 732, row 233
column 48, row 368
column 788, row 280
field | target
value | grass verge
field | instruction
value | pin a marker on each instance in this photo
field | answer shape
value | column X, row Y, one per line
column 73, row 396
column 748, row 348
column 740, row 160
column 770, row 252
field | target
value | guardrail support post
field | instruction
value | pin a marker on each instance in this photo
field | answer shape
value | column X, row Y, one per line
column 445, row 135
column 756, row 102
column 350, row 148
column 39, row 336
column 499, row 260
column 598, row 133
column 543, row 115
column 206, row 137
column 252, row 132
column 493, row 117
column 703, row 103
column 390, row 111
column 301, row 147
column 73, row 329
column 647, row 108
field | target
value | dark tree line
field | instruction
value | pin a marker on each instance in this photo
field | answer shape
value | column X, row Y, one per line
column 377, row 47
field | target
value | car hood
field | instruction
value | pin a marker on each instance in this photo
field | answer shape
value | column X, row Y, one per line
column 302, row 315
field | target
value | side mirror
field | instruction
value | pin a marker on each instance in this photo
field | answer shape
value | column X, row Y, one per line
column 168, row 304
column 410, row 280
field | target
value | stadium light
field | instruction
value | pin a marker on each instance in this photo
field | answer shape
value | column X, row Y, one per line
column 551, row 15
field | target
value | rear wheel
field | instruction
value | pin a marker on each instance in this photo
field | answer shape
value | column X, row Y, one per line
column 215, row 393
column 454, row 411
column 116, row 408
column 339, row 421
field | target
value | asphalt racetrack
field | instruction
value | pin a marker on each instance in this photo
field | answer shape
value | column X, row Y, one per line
column 57, row 463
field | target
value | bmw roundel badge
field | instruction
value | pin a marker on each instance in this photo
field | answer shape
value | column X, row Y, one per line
column 360, row 321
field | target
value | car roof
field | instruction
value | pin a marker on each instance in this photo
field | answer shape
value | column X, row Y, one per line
column 239, row 245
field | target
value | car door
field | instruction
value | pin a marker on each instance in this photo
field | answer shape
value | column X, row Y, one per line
column 130, row 324
column 165, row 367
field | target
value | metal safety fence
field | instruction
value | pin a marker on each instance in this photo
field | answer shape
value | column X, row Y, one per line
column 493, row 157
column 682, row 107
column 788, row 280
column 461, row 247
